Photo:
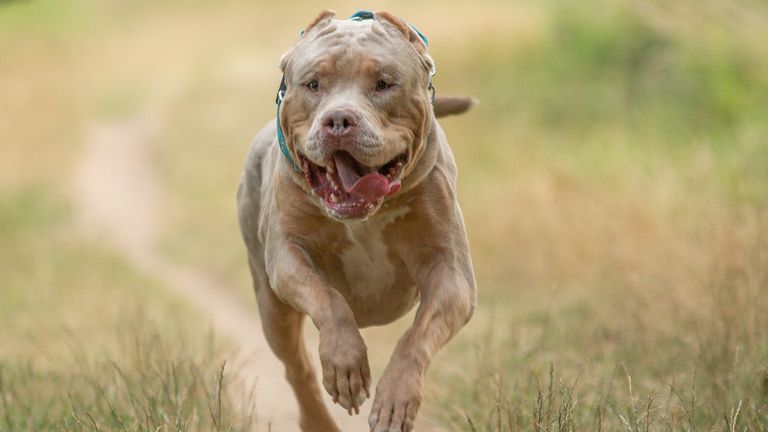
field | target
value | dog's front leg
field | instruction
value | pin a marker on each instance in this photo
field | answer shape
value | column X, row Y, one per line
column 448, row 297
column 343, row 354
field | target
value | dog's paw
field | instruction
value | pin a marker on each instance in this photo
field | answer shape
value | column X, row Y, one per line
column 397, row 401
column 346, row 374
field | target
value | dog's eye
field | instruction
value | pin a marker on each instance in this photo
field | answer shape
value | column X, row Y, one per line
column 382, row 85
column 313, row 85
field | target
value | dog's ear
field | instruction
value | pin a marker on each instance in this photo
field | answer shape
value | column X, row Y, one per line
column 322, row 19
column 405, row 29
column 419, row 44
column 284, row 59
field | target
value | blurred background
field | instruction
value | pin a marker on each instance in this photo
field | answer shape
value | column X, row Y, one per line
column 614, row 181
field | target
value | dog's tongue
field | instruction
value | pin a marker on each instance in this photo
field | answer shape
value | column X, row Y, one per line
column 371, row 187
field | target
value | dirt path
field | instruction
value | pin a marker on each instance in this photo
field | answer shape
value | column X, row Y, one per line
column 118, row 197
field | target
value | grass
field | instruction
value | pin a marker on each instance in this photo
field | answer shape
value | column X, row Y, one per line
column 89, row 342
column 617, row 360
column 613, row 179
column 152, row 383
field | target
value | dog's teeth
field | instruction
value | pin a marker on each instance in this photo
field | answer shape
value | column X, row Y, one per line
column 330, row 168
column 329, row 177
column 334, row 197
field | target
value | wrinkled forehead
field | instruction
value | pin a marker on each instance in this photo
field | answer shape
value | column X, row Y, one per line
column 349, row 42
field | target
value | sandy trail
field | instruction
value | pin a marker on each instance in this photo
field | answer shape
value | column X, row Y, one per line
column 118, row 199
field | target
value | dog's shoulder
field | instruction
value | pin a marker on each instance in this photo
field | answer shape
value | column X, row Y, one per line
column 262, row 143
column 253, row 180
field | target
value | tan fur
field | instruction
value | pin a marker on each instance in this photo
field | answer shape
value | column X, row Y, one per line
column 347, row 274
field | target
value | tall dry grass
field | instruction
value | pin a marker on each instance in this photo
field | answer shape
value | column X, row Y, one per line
column 90, row 343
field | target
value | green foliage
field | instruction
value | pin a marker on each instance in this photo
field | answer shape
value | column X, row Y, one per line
column 598, row 69
column 49, row 17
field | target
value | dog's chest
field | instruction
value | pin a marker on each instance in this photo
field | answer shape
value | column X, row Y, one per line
column 377, row 286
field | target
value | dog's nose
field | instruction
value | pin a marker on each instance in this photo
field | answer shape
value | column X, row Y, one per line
column 339, row 122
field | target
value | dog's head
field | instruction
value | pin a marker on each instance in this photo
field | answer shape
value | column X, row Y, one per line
column 356, row 110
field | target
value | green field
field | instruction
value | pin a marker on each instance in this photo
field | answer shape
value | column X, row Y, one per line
column 614, row 181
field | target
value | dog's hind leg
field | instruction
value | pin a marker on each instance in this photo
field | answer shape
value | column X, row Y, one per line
column 282, row 326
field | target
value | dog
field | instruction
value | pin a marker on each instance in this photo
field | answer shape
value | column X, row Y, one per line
column 348, row 210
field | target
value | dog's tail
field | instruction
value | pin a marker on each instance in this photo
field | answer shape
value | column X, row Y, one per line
column 452, row 105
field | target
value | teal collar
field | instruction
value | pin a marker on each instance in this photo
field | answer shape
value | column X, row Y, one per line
column 362, row 15
column 280, row 136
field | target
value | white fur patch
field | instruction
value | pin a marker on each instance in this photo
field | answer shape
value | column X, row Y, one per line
column 366, row 265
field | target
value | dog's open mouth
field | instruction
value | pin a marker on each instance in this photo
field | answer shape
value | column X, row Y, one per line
column 350, row 189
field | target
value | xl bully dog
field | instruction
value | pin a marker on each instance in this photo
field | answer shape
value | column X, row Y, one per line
column 348, row 210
